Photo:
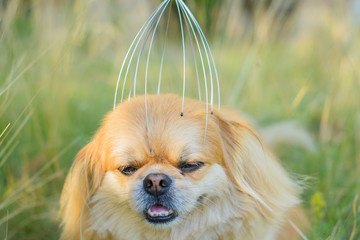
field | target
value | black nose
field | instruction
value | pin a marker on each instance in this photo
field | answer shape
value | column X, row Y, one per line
column 157, row 184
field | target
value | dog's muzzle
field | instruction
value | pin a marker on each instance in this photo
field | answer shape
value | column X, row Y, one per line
column 157, row 186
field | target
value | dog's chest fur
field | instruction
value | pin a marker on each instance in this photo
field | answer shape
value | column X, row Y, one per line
column 223, row 221
column 234, row 229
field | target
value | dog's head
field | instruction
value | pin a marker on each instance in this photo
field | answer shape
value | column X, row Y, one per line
column 165, row 170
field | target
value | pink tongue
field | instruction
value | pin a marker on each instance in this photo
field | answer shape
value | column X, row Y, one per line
column 158, row 208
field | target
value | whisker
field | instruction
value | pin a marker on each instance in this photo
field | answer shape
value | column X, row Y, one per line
column 209, row 200
column 109, row 196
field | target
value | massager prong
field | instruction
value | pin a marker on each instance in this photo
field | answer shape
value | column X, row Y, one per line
column 214, row 65
column 163, row 53
column 184, row 56
column 198, row 28
column 207, row 56
column 204, row 70
column 194, row 55
column 200, row 53
column 128, row 52
column 150, row 22
column 147, row 63
column 209, row 49
column 133, row 83
column 151, row 26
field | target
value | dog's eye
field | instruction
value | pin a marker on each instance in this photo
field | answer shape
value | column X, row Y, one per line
column 190, row 167
column 128, row 170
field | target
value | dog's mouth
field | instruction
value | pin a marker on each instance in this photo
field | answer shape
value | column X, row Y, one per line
column 158, row 214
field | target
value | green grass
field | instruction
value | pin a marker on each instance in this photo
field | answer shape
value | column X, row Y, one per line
column 58, row 71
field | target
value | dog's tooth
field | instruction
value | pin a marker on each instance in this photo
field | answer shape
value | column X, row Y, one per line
column 159, row 214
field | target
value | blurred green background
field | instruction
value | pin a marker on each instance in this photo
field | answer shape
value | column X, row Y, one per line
column 277, row 60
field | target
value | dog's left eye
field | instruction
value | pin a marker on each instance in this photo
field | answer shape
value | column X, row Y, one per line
column 128, row 170
column 190, row 167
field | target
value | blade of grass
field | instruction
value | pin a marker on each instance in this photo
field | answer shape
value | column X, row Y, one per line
column 13, row 197
column 12, row 139
column 301, row 234
column 6, row 103
column 29, row 220
column 27, row 68
column 325, row 121
column 12, row 72
column 11, row 150
column 11, row 13
column 299, row 97
column 333, row 232
column 5, row 130
column 18, row 211
column 40, row 183
column 20, row 115
column 7, row 224
column 353, row 232
column 46, row 180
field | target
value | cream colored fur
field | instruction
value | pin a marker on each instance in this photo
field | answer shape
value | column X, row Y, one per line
column 246, row 194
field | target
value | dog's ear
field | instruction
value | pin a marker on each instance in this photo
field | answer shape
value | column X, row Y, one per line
column 84, row 178
column 253, row 169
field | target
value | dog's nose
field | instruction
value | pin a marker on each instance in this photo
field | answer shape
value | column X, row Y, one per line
column 157, row 184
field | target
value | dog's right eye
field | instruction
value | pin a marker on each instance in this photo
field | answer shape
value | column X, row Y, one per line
column 190, row 167
column 128, row 170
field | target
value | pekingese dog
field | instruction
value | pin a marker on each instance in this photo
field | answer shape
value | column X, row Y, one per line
column 153, row 174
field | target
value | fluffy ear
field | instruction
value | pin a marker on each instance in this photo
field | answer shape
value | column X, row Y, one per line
column 254, row 170
column 84, row 178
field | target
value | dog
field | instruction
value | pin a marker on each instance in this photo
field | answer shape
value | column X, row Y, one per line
column 151, row 173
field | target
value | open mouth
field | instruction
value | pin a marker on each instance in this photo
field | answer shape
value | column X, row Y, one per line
column 159, row 214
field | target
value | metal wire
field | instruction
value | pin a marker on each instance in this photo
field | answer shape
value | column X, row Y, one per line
column 204, row 70
column 163, row 53
column 205, row 43
column 147, row 65
column 184, row 56
column 127, row 54
column 194, row 34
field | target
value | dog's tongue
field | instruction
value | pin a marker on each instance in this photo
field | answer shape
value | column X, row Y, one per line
column 155, row 208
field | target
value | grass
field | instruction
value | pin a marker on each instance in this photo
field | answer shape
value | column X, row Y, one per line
column 58, row 70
